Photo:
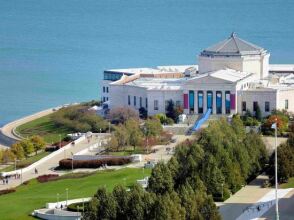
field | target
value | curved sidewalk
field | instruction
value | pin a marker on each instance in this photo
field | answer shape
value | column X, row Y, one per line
column 7, row 134
column 46, row 166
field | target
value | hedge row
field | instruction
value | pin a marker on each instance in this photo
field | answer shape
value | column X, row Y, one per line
column 47, row 178
column 67, row 163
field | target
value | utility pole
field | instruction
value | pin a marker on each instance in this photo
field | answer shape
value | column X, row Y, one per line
column 275, row 126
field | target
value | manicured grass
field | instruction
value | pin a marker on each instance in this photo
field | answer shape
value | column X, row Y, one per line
column 128, row 151
column 290, row 184
column 35, row 195
column 43, row 127
column 26, row 162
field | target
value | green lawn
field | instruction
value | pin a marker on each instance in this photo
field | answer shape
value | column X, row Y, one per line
column 44, row 127
column 26, row 162
column 290, row 184
column 20, row 204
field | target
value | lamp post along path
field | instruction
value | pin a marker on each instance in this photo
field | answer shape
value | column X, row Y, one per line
column 275, row 126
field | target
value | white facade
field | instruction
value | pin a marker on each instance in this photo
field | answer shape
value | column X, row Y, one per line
column 232, row 76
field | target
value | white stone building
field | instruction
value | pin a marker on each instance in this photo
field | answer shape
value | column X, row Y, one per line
column 232, row 76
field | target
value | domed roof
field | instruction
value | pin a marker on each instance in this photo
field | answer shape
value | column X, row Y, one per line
column 233, row 46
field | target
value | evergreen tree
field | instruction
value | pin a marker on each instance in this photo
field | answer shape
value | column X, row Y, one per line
column 107, row 205
column 160, row 181
column 258, row 114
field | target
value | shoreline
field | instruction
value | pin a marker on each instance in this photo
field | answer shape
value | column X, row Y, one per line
column 7, row 133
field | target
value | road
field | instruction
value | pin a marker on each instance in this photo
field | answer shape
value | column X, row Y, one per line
column 48, row 166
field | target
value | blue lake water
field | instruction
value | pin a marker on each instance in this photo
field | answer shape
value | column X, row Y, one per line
column 54, row 52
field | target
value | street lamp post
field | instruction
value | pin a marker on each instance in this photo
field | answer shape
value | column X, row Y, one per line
column 276, row 170
column 275, row 126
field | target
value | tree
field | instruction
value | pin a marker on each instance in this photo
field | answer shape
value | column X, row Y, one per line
column 152, row 127
column 113, row 143
column 38, row 143
column 17, row 150
column 168, row 207
column 134, row 132
column 121, row 135
column 161, row 180
column 258, row 114
column 173, row 111
column 143, row 113
column 107, row 205
column 122, row 198
column 27, row 146
column 136, row 204
column 282, row 124
column 120, row 115
column 7, row 156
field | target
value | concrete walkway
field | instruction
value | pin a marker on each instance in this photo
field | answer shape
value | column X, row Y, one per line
column 233, row 207
column 48, row 166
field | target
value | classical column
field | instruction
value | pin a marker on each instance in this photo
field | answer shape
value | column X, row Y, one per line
column 195, row 102
column 223, row 102
column 213, row 102
column 204, row 101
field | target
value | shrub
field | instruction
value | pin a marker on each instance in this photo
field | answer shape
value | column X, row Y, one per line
column 111, row 161
column 122, row 114
column 47, row 178
column 6, row 191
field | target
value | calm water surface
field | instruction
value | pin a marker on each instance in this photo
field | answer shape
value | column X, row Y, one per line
column 54, row 52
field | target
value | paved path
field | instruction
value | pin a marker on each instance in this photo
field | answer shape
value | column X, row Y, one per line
column 233, row 207
column 7, row 136
column 48, row 166
column 286, row 211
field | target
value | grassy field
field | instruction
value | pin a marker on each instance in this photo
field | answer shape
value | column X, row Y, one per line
column 44, row 127
column 20, row 204
column 26, row 162
column 290, row 184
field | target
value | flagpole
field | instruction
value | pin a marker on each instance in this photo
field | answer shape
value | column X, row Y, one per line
column 276, row 171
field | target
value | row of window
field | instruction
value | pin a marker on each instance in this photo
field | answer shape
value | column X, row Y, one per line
column 105, row 99
column 140, row 101
column 105, row 89
column 255, row 106
column 156, row 102
column 266, row 106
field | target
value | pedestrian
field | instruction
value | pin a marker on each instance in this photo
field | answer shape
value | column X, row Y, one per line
column 7, row 181
column 3, row 180
column 36, row 171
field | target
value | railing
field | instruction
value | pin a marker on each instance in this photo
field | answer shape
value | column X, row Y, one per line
column 201, row 121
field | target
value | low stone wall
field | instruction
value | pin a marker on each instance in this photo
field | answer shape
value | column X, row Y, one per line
column 56, row 214
column 54, row 205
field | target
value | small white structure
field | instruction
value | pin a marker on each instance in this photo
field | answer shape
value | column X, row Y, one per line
column 143, row 182
column 233, row 76
column 182, row 118
column 56, row 214
column 137, row 157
